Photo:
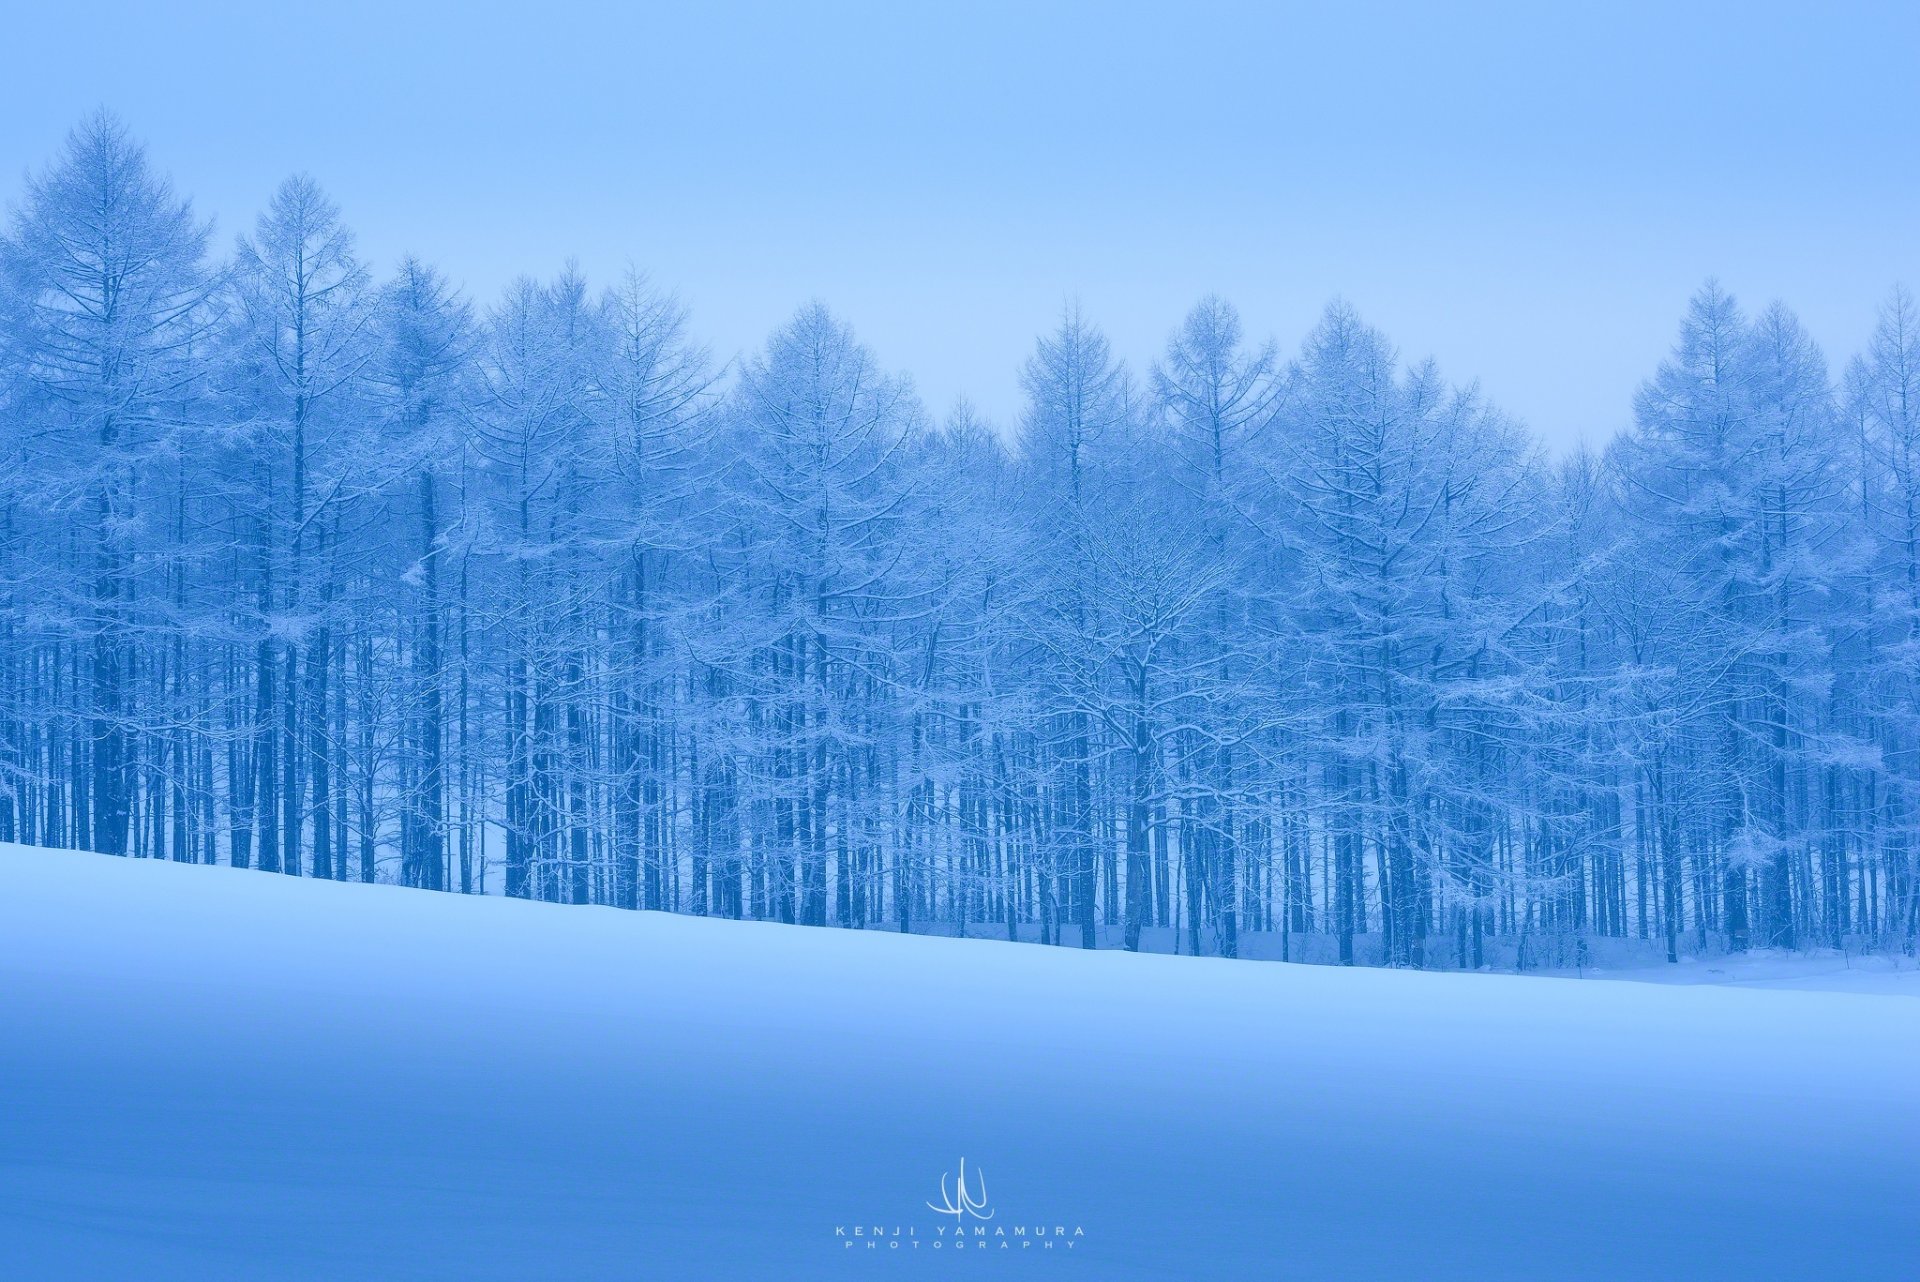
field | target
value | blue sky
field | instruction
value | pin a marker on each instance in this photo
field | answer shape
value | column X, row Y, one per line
column 1527, row 193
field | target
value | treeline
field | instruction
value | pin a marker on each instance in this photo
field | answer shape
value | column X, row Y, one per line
column 330, row 575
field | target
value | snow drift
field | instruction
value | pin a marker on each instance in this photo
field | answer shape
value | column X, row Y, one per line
column 212, row 1073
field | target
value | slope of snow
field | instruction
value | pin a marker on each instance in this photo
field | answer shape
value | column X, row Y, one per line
column 1824, row 971
column 208, row 1073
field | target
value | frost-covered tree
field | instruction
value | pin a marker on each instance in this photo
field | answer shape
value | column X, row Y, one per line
column 1219, row 398
column 109, row 309
column 421, row 375
column 817, row 437
column 1733, row 475
column 1081, row 408
column 300, row 318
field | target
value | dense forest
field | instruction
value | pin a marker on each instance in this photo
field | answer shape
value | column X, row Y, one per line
column 328, row 571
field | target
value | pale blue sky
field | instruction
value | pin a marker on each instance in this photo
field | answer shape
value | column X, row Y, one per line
column 1526, row 192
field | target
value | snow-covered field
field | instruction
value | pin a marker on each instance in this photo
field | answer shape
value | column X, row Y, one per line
column 207, row 1073
column 1822, row 971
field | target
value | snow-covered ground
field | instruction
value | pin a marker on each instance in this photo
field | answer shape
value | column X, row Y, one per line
column 207, row 1073
column 1821, row 971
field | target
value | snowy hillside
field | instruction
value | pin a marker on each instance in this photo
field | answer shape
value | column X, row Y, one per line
column 210, row 1073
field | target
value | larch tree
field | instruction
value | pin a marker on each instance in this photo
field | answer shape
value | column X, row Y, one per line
column 110, row 306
